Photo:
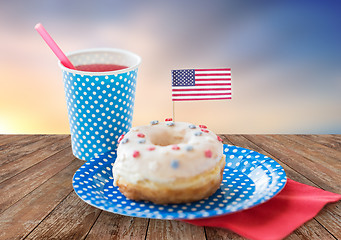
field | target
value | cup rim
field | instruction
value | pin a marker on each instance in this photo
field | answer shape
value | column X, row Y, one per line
column 88, row 50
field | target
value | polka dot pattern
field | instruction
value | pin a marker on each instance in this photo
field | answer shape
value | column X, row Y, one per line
column 250, row 178
column 100, row 109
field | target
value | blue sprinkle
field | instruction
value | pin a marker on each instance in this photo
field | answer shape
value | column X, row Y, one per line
column 192, row 126
column 175, row 164
column 125, row 140
column 170, row 123
column 154, row 122
column 198, row 133
column 142, row 141
column 189, row 148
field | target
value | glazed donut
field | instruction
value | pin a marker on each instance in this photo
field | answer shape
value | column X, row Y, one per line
column 169, row 162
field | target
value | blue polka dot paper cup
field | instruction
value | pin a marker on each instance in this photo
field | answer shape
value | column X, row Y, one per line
column 100, row 104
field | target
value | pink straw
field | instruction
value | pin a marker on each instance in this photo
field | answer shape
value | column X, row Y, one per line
column 53, row 45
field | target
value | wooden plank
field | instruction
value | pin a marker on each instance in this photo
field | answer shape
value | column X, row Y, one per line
column 171, row 229
column 115, row 226
column 21, row 164
column 312, row 230
column 221, row 234
column 326, row 140
column 326, row 163
column 336, row 137
column 15, row 188
column 71, row 219
column 294, row 236
column 22, row 217
column 13, row 151
column 315, row 170
column 10, row 138
column 329, row 217
column 12, row 146
column 311, row 149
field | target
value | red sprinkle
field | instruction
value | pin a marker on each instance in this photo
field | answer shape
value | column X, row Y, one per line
column 205, row 130
column 168, row 119
column 141, row 135
column 175, row 147
column 219, row 139
column 136, row 154
column 202, row 126
column 120, row 138
column 151, row 148
column 208, row 153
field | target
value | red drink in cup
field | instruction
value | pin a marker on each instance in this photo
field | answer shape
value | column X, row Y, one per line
column 100, row 67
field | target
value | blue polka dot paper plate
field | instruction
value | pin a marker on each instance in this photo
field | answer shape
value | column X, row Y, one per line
column 250, row 178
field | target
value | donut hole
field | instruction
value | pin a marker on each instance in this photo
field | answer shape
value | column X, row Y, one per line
column 167, row 138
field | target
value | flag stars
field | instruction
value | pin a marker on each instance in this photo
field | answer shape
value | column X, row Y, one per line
column 183, row 77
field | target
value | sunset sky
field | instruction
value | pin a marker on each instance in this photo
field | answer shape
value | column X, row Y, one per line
column 285, row 58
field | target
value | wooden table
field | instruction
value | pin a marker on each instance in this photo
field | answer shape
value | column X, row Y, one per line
column 37, row 200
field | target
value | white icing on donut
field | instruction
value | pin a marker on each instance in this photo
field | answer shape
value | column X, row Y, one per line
column 166, row 151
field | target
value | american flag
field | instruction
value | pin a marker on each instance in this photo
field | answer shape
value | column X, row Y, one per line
column 201, row 84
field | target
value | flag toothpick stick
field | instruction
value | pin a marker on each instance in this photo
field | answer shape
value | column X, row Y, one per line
column 173, row 115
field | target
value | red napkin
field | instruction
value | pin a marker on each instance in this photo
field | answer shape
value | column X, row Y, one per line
column 276, row 218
